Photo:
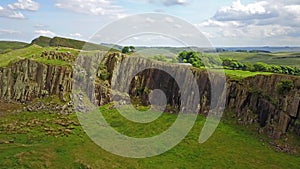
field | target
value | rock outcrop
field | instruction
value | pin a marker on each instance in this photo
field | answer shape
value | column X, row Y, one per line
column 257, row 99
column 28, row 79
column 253, row 99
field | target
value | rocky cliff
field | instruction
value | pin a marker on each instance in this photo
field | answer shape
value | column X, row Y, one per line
column 28, row 79
column 253, row 100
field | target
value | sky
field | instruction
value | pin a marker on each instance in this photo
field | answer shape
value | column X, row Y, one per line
column 224, row 22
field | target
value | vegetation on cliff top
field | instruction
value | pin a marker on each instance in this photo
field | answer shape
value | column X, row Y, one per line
column 34, row 52
column 65, row 42
column 199, row 60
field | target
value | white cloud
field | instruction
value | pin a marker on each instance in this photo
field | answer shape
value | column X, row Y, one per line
column 214, row 23
column 257, row 23
column 8, row 31
column 13, row 10
column 175, row 2
column 24, row 5
column 77, row 35
column 40, row 26
column 238, row 11
column 293, row 9
column 45, row 33
column 169, row 2
column 16, row 15
column 93, row 7
column 11, row 14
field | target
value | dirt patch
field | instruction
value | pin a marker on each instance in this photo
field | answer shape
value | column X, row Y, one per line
column 7, row 107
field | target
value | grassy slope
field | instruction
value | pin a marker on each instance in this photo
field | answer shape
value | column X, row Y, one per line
column 11, row 45
column 66, row 42
column 42, row 41
column 33, row 52
column 240, row 74
column 231, row 146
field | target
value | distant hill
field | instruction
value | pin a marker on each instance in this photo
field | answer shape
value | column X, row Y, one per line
column 42, row 41
column 6, row 46
column 264, row 49
column 65, row 42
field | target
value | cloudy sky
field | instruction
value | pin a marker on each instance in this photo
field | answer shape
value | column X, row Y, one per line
column 224, row 23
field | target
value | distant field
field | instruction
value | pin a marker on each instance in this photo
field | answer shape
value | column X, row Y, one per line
column 6, row 46
column 42, row 140
column 240, row 74
column 278, row 58
column 281, row 58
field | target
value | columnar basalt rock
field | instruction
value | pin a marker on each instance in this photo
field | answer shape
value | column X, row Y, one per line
column 27, row 80
column 253, row 99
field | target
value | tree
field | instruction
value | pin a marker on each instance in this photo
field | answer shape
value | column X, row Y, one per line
column 128, row 49
column 131, row 48
column 190, row 57
column 125, row 49
column 259, row 66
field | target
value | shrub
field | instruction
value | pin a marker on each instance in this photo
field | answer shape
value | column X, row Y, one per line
column 285, row 86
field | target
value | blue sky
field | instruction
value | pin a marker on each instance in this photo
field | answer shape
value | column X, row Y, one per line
column 224, row 23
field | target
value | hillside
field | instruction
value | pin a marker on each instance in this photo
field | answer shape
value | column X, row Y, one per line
column 65, row 42
column 34, row 52
column 6, row 46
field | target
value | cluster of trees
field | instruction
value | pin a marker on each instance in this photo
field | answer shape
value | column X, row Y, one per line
column 259, row 67
column 197, row 59
column 128, row 49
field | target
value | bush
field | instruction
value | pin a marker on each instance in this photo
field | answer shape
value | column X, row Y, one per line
column 285, row 86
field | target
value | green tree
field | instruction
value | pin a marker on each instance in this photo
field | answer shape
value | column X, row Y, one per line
column 259, row 66
column 128, row 49
column 132, row 48
column 125, row 49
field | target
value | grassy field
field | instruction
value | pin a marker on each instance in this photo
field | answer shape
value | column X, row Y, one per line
column 6, row 46
column 34, row 52
column 43, row 140
column 276, row 58
column 280, row 58
column 240, row 74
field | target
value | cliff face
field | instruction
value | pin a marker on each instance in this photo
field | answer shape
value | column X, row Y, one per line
column 257, row 99
column 253, row 100
column 27, row 80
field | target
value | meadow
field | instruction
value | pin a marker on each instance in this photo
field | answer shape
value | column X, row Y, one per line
column 50, row 140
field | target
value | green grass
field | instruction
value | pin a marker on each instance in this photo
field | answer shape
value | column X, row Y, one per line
column 42, row 41
column 34, row 52
column 6, row 46
column 231, row 146
column 279, row 58
column 66, row 42
column 240, row 74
